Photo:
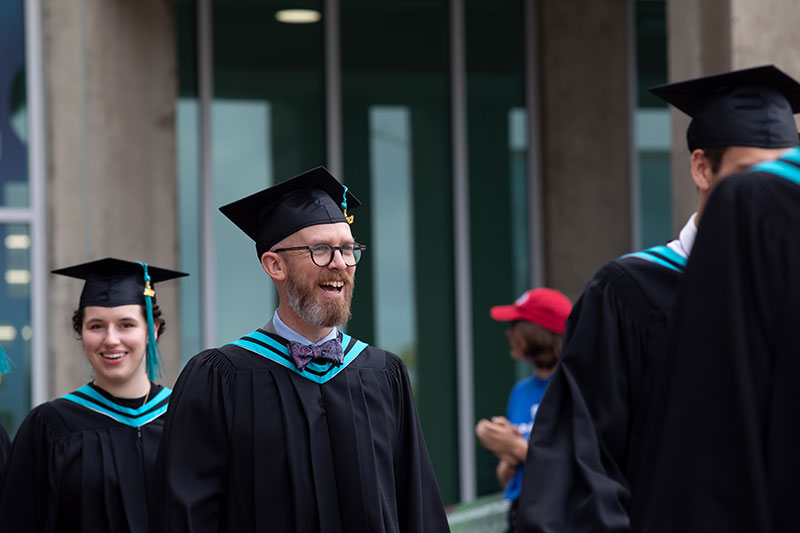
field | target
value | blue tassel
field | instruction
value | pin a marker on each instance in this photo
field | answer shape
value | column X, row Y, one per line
column 343, row 205
column 5, row 362
column 153, row 354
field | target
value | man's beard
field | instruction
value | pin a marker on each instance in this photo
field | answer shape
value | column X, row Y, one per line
column 302, row 298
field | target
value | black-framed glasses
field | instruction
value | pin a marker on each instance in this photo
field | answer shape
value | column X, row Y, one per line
column 322, row 253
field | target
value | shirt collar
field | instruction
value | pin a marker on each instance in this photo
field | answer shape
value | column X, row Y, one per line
column 292, row 336
column 685, row 241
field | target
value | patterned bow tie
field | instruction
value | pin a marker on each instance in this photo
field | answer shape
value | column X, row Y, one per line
column 329, row 350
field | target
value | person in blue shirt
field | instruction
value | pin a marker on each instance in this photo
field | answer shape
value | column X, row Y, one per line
column 534, row 335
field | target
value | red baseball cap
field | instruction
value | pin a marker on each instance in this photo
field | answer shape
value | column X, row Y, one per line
column 545, row 307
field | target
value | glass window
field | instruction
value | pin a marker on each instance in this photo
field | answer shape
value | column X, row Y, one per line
column 13, row 120
column 15, row 328
column 498, row 147
column 393, row 221
column 267, row 126
column 187, row 124
column 242, row 157
column 15, row 237
column 653, row 140
column 188, row 225
column 396, row 142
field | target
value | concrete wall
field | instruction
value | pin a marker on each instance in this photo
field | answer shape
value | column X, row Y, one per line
column 111, row 82
column 712, row 36
column 586, row 134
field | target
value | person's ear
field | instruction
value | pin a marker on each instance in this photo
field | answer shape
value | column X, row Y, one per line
column 273, row 265
column 701, row 170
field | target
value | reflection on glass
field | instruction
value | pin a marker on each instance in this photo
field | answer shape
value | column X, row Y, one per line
column 18, row 277
column 8, row 333
column 13, row 148
column 518, row 197
column 498, row 185
column 653, row 141
column 17, row 242
column 188, row 225
column 392, row 233
column 15, row 330
column 242, row 165
column 396, row 154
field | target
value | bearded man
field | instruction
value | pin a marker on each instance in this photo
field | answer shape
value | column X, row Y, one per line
column 297, row 426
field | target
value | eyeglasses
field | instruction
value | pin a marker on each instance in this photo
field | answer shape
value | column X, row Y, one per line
column 322, row 253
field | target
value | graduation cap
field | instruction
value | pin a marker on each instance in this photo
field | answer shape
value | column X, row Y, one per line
column 311, row 198
column 113, row 282
column 750, row 107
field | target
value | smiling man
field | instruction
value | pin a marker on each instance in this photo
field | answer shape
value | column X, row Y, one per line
column 297, row 426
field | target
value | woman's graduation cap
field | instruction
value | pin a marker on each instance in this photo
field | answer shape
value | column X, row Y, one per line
column 750, row 107
column 113, row 282
column 311, row 198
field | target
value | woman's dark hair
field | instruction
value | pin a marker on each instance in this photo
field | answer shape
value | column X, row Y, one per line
column 158, row 320
column 542, row 346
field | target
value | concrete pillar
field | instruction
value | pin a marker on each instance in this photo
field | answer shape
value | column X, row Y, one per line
column 765, row 32
column 711, row 36
column 587, row 137
column 111, row 82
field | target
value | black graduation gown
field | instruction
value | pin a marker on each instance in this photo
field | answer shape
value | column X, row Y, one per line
column 251, row 445
column 729, row 438
column 73, row 467
column 585, row 450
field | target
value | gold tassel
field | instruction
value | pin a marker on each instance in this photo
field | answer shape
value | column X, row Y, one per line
column 147, row 290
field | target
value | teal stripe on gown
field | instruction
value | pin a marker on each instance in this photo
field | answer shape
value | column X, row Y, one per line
column 75, row 470
column 251, row 445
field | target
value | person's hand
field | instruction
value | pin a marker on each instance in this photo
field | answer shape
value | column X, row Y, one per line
column 498, row 436
column 506, row 470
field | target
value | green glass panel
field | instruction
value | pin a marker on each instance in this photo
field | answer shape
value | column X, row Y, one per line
column 188, row 225
column 15, row 320
column 268, row 125
column 394, row 301
column 396, row 142
column 14, row 187
column 497, row 129
column 651, row 50
column 188, row 165
column 653, row 134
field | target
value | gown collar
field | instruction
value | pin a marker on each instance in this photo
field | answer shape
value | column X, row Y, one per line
column 271, row 346
column 685, row 241
column 291, row 335
column 89, row 397
column 674, row 254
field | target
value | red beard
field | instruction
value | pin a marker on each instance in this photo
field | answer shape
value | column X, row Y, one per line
column 303, row 298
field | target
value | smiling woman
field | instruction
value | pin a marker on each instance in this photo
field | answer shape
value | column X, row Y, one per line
column 99, row 441
column 114, row 340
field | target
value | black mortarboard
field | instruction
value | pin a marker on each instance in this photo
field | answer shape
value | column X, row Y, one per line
column 311, row 198
column 750, row 107
column 112, row 282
